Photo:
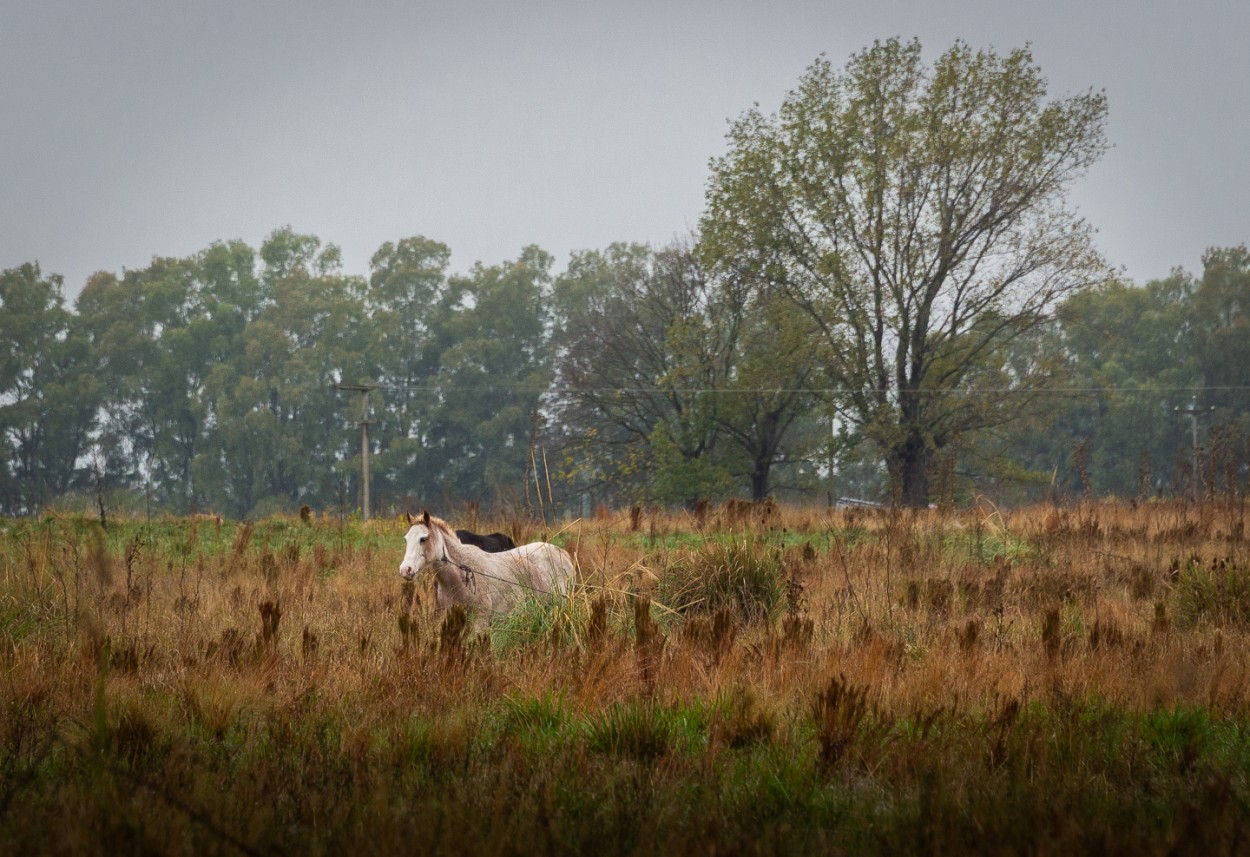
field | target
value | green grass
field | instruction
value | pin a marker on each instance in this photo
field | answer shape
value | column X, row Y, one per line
column 540, row 621
column 984, row 546
column 633, row 775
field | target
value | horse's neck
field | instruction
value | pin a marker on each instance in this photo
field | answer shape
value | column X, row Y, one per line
column 451, row 578
column 455, row 562
column 469, row 561
column 453, row 550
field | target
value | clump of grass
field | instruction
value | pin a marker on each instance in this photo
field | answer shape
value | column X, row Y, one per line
column 985, row 545
column 536, row 723
column 571, row 618
column 541, row 714
column 744, row 575
column 1217, row 592
column 636, row 729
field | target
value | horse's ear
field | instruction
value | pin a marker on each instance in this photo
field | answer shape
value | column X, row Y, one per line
column 408, row 515
column 425, row 517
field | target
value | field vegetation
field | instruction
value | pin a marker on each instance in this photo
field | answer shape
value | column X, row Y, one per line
column 745, row 679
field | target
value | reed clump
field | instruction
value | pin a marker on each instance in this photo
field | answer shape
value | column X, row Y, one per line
column 742, row 574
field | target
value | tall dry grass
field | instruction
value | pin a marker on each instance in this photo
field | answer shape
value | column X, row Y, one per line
column 746, row 678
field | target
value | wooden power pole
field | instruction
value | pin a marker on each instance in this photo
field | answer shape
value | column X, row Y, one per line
column 363, row 389
column 1193, row 424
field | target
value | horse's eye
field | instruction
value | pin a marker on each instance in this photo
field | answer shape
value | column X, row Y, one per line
column 422, row 539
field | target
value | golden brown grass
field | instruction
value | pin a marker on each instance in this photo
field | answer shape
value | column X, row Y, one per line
column 199, row 686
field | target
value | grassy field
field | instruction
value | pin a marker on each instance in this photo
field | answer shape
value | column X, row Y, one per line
column 750, row 680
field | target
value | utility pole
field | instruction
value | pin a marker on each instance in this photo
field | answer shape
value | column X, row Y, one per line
column 363, row 389
column 833, row 445
column 1193, row 425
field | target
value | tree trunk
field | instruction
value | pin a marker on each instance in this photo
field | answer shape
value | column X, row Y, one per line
column 760, row 479
column 909, row 466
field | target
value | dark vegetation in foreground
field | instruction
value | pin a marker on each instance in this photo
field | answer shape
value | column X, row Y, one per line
column 791, row 681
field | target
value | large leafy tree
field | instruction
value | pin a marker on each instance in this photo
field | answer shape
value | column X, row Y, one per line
column 676, row 383
column 1221, row 338
column 1220, row 326
column 916, row 214
column 1139, row 361
column 121, row 340
column 47, row 396
column 644, row 346
column 492, row 373
column 410, row 302
column 1154, row 355
column 775, row 387
column 276, row 428
column 155, row 335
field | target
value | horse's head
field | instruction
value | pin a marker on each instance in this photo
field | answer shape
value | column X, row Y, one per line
column 424, row 545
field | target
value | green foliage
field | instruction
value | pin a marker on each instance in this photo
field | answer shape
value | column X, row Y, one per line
column 639, row 375
column 1220, row 325
column 1144, row 356
column 778, row 366
column 682, row 479
column 644, row 344
column 209, row 381
column 530, row 714
column 1129, row 347
column 47, row 394
column 492, row 374
column 675, row 385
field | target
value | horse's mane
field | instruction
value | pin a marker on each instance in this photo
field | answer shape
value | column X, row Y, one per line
column 443, row 526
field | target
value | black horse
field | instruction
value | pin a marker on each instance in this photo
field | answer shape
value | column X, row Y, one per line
column 491, row 542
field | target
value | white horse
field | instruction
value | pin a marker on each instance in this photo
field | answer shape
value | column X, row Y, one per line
column 492, row 583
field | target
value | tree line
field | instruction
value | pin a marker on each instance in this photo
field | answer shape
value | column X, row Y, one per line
column 886, row 297
column 209, row 382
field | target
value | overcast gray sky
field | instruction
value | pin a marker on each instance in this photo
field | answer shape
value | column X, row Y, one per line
column 155, row 127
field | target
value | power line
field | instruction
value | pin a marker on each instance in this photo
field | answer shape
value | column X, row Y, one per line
column 817, row 391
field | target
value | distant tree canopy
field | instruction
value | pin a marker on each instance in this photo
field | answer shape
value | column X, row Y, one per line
column 887, row 299
column 1144, row 361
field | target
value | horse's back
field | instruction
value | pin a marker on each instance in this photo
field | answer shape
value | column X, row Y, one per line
column 551, row 562
column 490, row 542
